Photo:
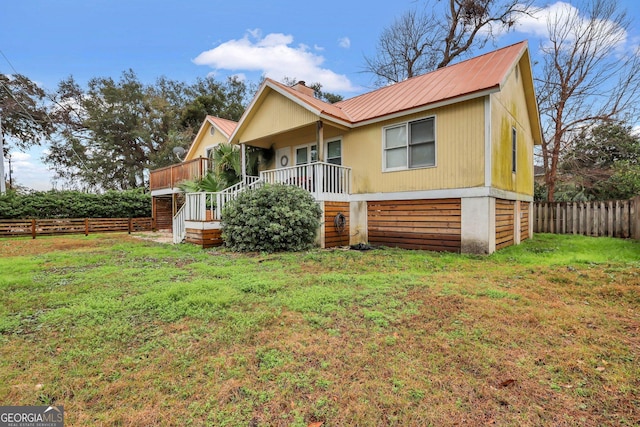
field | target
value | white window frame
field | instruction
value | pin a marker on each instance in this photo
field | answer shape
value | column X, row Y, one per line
column 406, row 146
column 326, row 149
column 308, row 147
column 208, row 149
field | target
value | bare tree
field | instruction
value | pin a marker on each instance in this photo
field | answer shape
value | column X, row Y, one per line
column 586, row 77
column 419, row 42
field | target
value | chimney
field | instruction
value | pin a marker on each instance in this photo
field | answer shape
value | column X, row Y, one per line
column 300, row 87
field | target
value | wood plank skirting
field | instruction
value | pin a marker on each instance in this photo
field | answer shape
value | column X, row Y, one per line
column 416, row 224
column 334, row 234
column 505, row 223
column 524, row 220
column 204, row 238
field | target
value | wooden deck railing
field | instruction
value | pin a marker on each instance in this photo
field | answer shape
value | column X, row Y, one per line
column 170, row 176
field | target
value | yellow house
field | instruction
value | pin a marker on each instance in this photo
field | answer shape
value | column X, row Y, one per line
column 164, row 182
column 442, row 161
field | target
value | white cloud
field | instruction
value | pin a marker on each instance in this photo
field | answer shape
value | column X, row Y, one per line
column 274, row 57
column 344, row 42
column 537, row 24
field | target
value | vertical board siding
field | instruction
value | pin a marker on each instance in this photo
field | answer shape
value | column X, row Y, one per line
column 460, row 157
column 163, row 213
column 332, row 236
column 612, row 218
column 416, row 224
column 505, row 223
column 524, row 220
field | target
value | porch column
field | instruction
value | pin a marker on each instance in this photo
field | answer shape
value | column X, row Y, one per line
column 243, row 162
column 320, row 140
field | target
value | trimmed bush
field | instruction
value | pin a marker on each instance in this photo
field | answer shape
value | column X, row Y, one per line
column 272, row 218
column 75, row 204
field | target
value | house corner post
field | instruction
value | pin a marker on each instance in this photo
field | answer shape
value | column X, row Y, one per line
column 243, row 162
column 635, row 218
column 478, row 225
column 517, row 222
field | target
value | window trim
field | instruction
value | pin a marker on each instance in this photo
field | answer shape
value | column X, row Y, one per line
column 326, row 150
column 406, row 125
column 309, row 147
column 514, row 150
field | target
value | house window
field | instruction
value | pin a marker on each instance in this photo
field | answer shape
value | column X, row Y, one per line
column 410, row 145
column 514, row 154
column 334, row 152
column 208, row 153
column 306, row 154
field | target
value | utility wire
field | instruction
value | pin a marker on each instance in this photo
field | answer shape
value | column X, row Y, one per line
column 51, row 122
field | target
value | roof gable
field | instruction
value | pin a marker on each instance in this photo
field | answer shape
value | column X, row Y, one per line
column 224, row 126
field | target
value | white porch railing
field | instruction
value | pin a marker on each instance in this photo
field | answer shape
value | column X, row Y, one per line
column 325, row 181
column 179, row 229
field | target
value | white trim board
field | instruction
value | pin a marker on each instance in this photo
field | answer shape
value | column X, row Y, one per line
column 452, row 193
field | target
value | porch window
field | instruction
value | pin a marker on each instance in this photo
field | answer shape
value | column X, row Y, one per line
column 410, row 145
column 306, row 154
column 334, row 152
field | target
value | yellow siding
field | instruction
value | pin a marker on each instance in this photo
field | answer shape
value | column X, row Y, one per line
column 509, row 109
column 203, row 141
column 275, row 114
column 459, row 153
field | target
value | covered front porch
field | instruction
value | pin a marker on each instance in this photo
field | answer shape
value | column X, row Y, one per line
column 202, row 211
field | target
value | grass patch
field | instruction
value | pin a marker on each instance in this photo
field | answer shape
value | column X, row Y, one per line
column 128, row 332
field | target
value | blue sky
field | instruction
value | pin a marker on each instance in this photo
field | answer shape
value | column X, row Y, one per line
column 322, row 42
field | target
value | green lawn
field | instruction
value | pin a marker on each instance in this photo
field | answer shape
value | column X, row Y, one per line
column 123, row 331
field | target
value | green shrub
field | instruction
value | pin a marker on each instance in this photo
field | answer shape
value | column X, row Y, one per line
column 75, row 204
column 272, row 218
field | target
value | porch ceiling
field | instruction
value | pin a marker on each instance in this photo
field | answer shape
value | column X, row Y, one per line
column 301, row 135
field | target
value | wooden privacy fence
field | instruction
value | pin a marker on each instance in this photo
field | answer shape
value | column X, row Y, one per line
column 613, row 218
column 50, row 227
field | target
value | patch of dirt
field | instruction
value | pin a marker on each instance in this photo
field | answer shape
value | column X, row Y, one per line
column 41, row 245
column 161, row 236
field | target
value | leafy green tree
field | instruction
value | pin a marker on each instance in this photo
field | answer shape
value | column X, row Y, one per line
column 603, row 163
column 112, row 132
column 23, row 111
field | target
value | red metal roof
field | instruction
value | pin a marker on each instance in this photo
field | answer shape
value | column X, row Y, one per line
column 226, row 126
column 478, row 74
column 465, row 78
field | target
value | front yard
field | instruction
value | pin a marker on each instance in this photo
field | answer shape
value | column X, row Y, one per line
column 123, row 331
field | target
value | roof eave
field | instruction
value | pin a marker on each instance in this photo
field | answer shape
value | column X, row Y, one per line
column 430, row 106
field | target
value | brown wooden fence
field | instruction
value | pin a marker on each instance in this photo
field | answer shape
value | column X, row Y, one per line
column 50, row 227
column 613, row 218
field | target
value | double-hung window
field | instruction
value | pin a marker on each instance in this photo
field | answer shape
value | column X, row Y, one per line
column 410, row 145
